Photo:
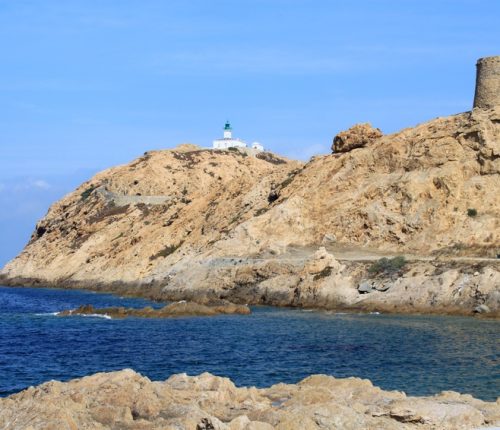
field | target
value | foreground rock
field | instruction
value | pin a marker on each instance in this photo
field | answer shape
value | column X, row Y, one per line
column 127, row 400
column 179, row 309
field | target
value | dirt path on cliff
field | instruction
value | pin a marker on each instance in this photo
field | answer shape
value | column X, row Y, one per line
column 350, row 253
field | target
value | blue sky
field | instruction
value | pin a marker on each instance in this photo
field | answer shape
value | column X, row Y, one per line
column 86, row 84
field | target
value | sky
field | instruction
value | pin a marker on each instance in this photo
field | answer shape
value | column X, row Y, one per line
column 87, row 84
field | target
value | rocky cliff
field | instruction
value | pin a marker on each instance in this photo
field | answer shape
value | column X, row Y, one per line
column 192, row 223
column 127, row 400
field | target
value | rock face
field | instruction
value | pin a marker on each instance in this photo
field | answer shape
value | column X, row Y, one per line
column 126, row 400
column 195, row 224
column 358, row 136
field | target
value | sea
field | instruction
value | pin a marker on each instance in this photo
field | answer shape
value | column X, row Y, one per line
column 420, row 355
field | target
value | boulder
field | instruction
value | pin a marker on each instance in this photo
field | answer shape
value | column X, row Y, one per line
column 322, row 262
column 482, row 309
column 358, row 136
column 365, row 287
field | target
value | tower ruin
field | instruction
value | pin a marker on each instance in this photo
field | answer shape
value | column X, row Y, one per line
column 487, row 83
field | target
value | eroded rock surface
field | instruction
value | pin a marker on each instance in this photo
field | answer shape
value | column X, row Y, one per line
column 126, row 400
column 358, row 136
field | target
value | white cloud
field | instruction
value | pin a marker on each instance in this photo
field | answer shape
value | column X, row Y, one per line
column 248, row 61
column 40, row 183
column 26, row 186
column 304, row 153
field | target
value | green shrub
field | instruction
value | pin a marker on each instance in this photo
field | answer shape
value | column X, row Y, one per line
column 165, row 252
column 261, row 211
column 288, row 180
column 327, row 271
column 387, row 266
column 471, row 212
column 86, row 194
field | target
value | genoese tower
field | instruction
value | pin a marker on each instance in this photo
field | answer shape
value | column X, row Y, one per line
column 487, row 83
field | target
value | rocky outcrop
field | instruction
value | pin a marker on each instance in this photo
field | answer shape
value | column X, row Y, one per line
column 314, row 278
column 178, row 309
column 197, row 224
column 126, row 400
column 358, row 136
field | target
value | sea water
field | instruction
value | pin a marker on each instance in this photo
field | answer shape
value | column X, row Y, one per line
column 421, row 355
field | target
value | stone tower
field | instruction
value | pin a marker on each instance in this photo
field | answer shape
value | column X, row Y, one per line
column 487, row 83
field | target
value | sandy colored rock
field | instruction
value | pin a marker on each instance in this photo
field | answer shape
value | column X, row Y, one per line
column 172, row 310
column 358, row 136
column 127, row 400
column 322, row 261
column 197, row 224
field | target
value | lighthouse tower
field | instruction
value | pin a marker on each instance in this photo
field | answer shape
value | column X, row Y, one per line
column 228, row 131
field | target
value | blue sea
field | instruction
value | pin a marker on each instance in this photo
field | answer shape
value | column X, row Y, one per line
column 421, row 355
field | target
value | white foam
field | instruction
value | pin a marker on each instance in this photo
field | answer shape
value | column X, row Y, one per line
column 105, row 316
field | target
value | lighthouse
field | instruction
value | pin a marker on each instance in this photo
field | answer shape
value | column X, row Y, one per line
column 227, row 140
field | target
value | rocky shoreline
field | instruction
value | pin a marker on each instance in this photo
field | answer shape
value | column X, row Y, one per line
column 126, row 400
column 316, row 281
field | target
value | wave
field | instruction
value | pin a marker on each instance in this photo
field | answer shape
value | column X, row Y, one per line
column 53, row 314
column 105, row 316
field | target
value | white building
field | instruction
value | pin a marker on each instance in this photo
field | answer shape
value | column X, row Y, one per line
column 229, row 142
column 257, row 146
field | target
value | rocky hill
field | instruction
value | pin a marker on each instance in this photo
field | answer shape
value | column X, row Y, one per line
column 127, row 400
column 199, row 223
column 129, row 220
